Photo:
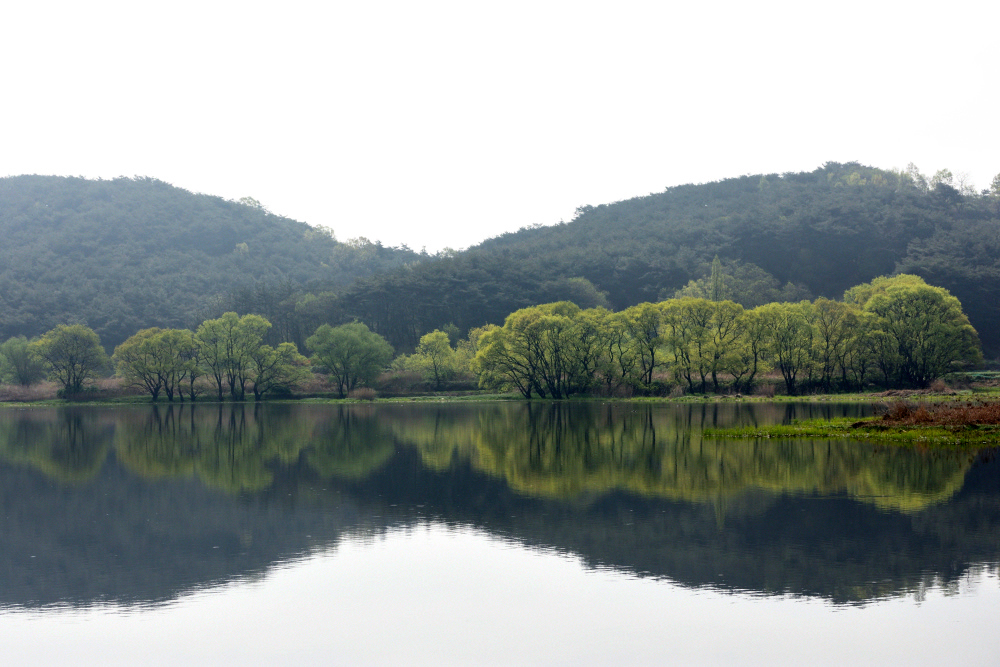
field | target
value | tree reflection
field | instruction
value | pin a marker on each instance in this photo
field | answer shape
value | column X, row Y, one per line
column 68, row 444
column 230, row 447
column 564, row 451
column 611, row 482
column 569, row 451
column 350, row 443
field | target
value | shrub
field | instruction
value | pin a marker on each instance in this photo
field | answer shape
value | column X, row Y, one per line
column 362, row 394
column 767, row 390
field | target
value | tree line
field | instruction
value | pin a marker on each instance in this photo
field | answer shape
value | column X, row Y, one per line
column 226, row 356
column 780, row 237
column 894, row 332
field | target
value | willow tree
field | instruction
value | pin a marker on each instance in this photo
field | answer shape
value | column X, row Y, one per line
column 434, row 358
column 642, row 323
column 927, row 329
column 226, row 346
column 277, row 369
column 158, row 359
column 72, row 354
column 552, row 350
column 915, row 332
column 352, row 353
column 788, row 336
column 17, row 364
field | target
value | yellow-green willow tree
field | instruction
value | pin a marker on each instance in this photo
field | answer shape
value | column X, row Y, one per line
column 72, row 354
column 923, row 331
column 155, row 359
column 906, row 329
column 789, row 336
column 351, row 353
column 553, row 350
column 226, row 346
column 435, row 359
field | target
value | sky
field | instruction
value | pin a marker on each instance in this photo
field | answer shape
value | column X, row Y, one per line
column 438, row 124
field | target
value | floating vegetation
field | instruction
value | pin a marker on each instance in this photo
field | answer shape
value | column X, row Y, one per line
column 939, row 424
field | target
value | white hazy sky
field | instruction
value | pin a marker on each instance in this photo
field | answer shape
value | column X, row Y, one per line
column 437, row 124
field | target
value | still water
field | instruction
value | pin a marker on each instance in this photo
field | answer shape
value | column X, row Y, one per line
column 548, row 534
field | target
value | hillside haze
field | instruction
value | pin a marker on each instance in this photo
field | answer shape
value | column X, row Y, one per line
column 779, row 237
column 127, row 254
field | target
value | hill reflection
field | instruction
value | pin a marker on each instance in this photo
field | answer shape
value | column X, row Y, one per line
column 139, row 504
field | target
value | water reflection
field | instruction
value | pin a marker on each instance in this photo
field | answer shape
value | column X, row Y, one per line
column 142, row 503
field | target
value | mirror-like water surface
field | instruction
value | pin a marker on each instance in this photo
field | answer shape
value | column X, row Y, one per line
column 581, row 533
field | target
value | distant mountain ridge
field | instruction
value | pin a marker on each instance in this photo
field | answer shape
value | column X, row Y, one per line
column 125, row 254
column 798, row 235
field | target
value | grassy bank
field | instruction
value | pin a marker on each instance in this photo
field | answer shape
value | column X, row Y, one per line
column 942, row 423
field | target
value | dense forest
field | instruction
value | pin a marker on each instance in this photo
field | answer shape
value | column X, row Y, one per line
column 779, row 237
column 130, row 253
column 127, row 254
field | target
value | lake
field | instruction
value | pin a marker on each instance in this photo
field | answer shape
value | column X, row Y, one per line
column 486, row 533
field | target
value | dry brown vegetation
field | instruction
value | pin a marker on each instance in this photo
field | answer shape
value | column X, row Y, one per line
column 968, row 414
column 40, row 391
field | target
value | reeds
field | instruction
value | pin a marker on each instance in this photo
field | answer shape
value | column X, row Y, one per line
column 969, row 414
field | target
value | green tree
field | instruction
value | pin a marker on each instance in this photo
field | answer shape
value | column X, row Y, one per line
column 914, row 332
column 279, row 368
column 747, row 357
column 789, row 337
column 618, row 365
column 746, row 284
column 501, row 362
column 72, row 354
column 434, row 358
column 726, row 328
column 351, row 353
column 549, row 350
column 18, row 364
column 718, row 291
column 226, row 346
column 687, row 325
column 927, row 331
column 588, row 340
column 835, row 324
column 155, row 359
column 178, row 350
column 643, row 325
column 137, row 361
column 512, row 356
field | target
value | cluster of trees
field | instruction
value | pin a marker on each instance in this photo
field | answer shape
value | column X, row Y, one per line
column 227, row 355
column 895, row 331
column 440, row 357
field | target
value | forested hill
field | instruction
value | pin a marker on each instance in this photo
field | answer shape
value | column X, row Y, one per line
column 779, row 237
column 125, row 254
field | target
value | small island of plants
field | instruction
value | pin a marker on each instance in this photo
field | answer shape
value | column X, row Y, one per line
column 942, row 423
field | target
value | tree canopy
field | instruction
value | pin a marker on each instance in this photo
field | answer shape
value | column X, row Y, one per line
column 911, row 332
column 72, row 353
column 352, row 354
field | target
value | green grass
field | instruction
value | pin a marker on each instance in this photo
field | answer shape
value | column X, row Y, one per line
column 865, row 429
